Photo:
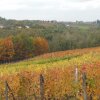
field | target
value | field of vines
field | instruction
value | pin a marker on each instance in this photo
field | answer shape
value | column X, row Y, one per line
column 58, row 71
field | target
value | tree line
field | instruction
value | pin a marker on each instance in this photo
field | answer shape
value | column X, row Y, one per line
column 55, row 36
column 14, row 48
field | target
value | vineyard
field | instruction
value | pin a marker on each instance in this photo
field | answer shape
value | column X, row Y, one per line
column 58, row 70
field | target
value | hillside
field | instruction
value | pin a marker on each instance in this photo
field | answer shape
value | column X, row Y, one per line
column 24, row 39
column 58, row 69
column 44, row 49
column 60, row 36
column 51, row 58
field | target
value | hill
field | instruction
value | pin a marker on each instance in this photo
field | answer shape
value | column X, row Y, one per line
column 50, row 58
column 54, row 36
column 58, row 70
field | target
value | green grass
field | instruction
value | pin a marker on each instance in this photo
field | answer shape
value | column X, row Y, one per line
column 26, row 63
column 32, row 64
column 45, row 63
column 51, row 60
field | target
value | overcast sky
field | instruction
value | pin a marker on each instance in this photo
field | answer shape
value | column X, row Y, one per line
column 61, row 10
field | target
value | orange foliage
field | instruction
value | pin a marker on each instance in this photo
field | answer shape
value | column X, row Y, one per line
column 58, row 81
column 6, row 49
column 68, row 53
column 41, row 45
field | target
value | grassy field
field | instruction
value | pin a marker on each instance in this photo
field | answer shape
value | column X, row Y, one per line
column 58, row 69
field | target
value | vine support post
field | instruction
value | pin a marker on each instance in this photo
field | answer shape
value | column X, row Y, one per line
column 84, row 86
column 41, row 87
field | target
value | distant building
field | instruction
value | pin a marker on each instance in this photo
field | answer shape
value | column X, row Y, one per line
column 19, row 27
column 67, row 25
column 27, row 27
column 1, row 26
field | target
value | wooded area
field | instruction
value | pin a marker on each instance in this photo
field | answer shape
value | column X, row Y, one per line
column 25, row 39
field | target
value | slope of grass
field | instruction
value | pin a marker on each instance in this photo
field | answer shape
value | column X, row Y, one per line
column 64, row 58
column 58, row 70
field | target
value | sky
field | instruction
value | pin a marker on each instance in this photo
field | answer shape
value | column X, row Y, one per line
column 60, row 10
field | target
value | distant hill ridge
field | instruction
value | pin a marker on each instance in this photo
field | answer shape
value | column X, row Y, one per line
column 13, row 22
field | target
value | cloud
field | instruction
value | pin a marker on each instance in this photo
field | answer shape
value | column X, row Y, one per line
column 89, row 4
column 6, row 5
column 49, row 9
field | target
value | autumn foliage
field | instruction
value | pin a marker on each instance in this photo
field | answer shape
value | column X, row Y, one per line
column 6, row 49
column 59, row 76
column 41, row 45
column 22, row 47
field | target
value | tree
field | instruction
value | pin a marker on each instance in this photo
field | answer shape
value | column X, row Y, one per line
column 6, row 49
column 41, row 45
column 23, row 46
